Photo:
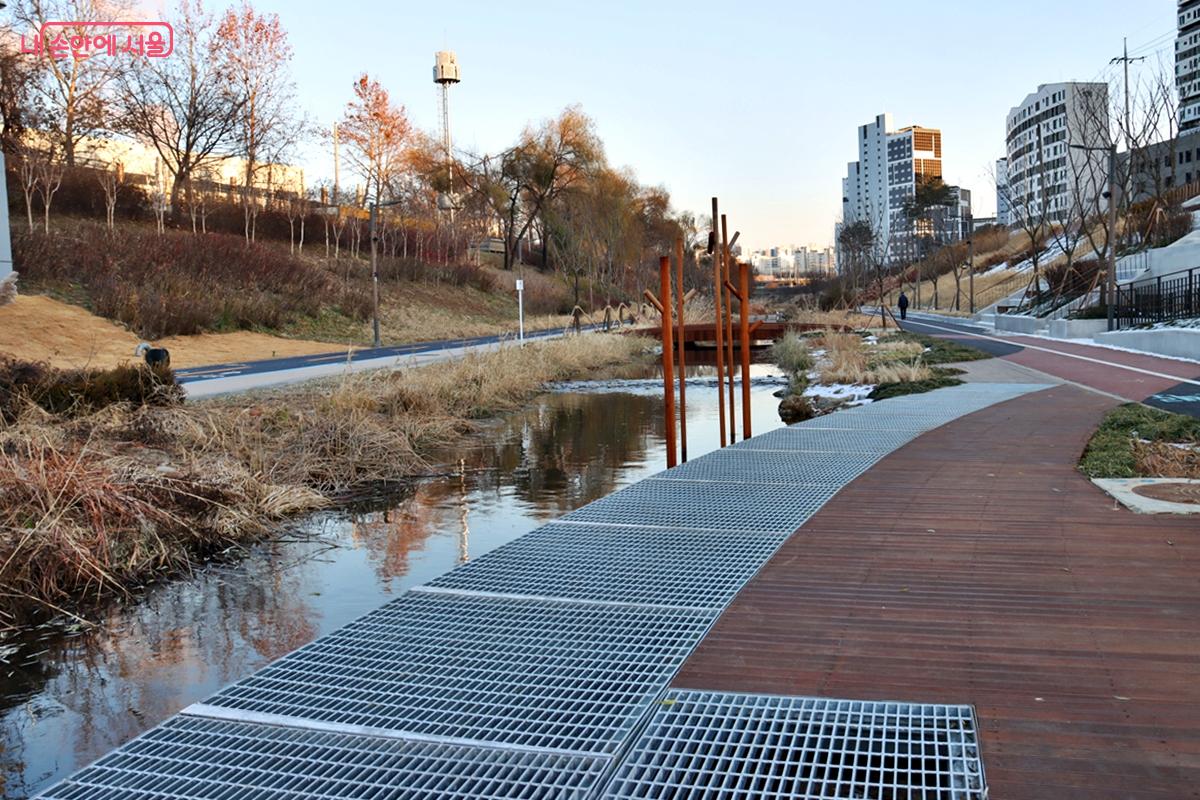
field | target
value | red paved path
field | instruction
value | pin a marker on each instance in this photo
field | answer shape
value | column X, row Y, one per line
column 975, row 565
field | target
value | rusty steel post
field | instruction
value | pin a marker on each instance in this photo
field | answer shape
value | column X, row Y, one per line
column 720, row 326
column 744, row 320
column 682, row 362
column 664, row 268
column 728, row 327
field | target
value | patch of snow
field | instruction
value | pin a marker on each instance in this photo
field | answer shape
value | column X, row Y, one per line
column 851, row 394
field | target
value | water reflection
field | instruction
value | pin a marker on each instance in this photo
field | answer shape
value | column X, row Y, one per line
column 67, row 697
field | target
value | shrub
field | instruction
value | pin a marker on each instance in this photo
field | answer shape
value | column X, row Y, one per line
column 792, row 356
column 1113, row 449
column 176, row 283
column 81, row 391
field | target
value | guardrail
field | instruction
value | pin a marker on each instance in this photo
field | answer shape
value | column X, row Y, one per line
column 1160, row 299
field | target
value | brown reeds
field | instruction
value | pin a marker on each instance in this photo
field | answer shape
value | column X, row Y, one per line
column 93, row 505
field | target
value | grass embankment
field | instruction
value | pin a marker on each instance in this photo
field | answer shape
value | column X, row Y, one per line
column 179, row 284
column 1135, row 441
column 96, row 499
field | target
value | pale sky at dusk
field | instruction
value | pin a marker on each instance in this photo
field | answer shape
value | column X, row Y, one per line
column 792, row 80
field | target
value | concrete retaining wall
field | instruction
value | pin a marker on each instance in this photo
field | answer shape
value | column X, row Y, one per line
column 1180, row 342
column 1019, row 324
column 1076, row 328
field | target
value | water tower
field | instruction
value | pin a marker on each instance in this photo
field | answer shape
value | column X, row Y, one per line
column 445, row 75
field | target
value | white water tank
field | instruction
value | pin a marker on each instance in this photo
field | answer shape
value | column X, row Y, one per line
column 445, row 67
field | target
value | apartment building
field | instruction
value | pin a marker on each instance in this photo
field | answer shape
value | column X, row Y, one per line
column 1047, row 178
column 878, row 186
column 1187, row 64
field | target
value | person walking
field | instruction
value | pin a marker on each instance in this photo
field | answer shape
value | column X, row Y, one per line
column 903, row 303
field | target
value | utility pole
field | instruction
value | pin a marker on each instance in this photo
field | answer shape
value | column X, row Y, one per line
column 1112, row 237
column 335, row 165
column 371, row 224
column 971, row 270
column 1125, row 60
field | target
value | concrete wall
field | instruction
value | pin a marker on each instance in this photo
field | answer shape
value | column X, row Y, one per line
column 1177, row 342
column 1076, row 328
column 1019, row 324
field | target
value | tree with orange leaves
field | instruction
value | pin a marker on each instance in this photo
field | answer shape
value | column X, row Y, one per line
column 376, row 134
column 254, row 53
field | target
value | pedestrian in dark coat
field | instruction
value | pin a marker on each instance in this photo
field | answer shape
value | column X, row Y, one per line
column 903, row 303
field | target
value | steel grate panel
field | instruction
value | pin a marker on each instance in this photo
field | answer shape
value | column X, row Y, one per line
column 536, row 674
column 732, row 746
column 824, row 440
column 725, row 506
column 650, row 566
column 197, row 759
column 746, row 466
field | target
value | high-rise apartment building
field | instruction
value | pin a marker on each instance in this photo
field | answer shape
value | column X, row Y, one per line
column 1047, row 178
column 1187, row 64
column 878, row 186
column 1004, row 215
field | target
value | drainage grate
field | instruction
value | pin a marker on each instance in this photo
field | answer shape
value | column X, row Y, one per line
column 648, row 566
column 745, row 466
column 708, row 506
column 535, row 674
column 190, row 758
column 823, row 440
column 700, row 744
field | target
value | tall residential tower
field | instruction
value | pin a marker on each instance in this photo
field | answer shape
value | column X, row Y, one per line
column 1187, row 64
column 879, row 184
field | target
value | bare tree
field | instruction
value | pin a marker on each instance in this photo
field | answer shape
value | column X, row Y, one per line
column 27, row 168
column 254, row 57
column 110, row 179
column 72, row 90
column 182, row 105
column 49, row 179
column 1031, row 213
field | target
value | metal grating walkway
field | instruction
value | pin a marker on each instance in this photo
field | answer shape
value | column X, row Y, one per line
column 744, row 747
column 529, row 672
column 569, row 677
column 612, row 564
column 713, row 506
column 189, row 758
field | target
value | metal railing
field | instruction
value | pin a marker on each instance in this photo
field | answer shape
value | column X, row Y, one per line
column 1160, row 299
column 999, row 291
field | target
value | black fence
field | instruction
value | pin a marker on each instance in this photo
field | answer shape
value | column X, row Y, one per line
column 1161, row 299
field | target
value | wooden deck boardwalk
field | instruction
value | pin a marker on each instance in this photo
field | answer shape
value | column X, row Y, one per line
column 976, row 565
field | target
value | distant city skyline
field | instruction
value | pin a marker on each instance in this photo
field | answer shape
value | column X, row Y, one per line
column 650, row 77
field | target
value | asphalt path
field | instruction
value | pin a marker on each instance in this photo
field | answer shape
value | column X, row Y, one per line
column 1174, row 385
column 191, row 374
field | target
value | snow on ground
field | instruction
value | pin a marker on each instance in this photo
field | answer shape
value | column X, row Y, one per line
column 850, row 394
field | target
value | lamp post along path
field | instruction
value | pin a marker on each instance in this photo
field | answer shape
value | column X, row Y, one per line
column 375, row 267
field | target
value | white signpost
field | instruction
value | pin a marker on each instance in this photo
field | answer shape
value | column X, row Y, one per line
column 521, row 309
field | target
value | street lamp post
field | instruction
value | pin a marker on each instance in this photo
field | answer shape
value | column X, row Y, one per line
column 375, row 268
column 1111, row 283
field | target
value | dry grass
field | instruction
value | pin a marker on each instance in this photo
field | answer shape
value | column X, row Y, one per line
column 833, row 318
column 95, row 505
column 1167, row 460
column 849, row 360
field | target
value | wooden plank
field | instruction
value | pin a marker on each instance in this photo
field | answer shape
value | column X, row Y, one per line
column 975, row 565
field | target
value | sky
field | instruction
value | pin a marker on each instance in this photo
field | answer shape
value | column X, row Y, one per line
column 756, row 102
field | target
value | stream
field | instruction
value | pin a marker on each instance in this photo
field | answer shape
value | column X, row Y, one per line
column 69, row 695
